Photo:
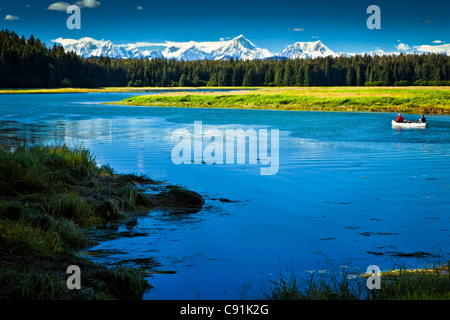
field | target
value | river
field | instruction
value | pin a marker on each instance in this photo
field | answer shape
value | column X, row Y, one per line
column 350, row 191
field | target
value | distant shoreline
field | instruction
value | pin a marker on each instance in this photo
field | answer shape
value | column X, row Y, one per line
column 114, row 89
column 412, row 99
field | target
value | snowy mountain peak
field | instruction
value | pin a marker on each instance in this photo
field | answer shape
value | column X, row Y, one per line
column 304, row 50
column 243, row 41
column 187, row 53
column 152, row 54
column 240, row 48
column 87, row 40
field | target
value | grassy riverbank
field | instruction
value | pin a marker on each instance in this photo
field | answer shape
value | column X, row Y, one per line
column 399, row 284
column 78, row 90
column 418, row 100
column 51, row 200
column 108, row 89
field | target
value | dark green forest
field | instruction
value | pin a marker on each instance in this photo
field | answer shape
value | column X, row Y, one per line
column 29, row 63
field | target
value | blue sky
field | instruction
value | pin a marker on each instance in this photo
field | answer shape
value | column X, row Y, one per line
column 273, row 25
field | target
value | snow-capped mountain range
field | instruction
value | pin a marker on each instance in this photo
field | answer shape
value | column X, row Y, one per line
column 303, row 50
column 237, row 48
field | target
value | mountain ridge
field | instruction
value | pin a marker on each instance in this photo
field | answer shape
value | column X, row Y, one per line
column 237, row 48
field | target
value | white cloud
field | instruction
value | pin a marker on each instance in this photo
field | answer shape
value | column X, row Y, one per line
column 58, row 6
column 402, row 46
column 88, row 3
column 146, row 44
column 298, row 29
column 65, row 42
column 315, row 37
column 9, row 17
column 140, row 8
column 442, row 48
column 62, row 6
column 206, row 46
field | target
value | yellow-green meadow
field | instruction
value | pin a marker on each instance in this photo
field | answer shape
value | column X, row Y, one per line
column 428, row 100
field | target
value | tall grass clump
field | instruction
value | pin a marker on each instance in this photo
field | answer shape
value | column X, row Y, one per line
column 36, row 168
column 71, row 206
column 77, row 162
column 128, row 195
column 122, row 282
column 74, row 237
column 32, row 284
column 321, row 287
column 22, row 238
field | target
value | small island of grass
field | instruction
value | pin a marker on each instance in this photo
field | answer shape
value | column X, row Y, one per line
column 418, row 100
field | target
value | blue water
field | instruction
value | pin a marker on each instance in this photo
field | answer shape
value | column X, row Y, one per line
column 348, row 184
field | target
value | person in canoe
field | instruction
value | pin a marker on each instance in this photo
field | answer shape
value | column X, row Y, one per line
column 399, row 118
column 422, row 120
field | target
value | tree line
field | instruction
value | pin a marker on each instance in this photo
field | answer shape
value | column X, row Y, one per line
column 29, row 63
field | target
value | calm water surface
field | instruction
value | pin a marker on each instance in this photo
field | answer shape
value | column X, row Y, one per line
column 348, row 186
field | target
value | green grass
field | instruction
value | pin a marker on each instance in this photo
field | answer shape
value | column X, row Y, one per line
column 47, row 281
column 49, row 198
column 400, row 284
column 428, row 100
column 43, row 168
column 313, row 288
